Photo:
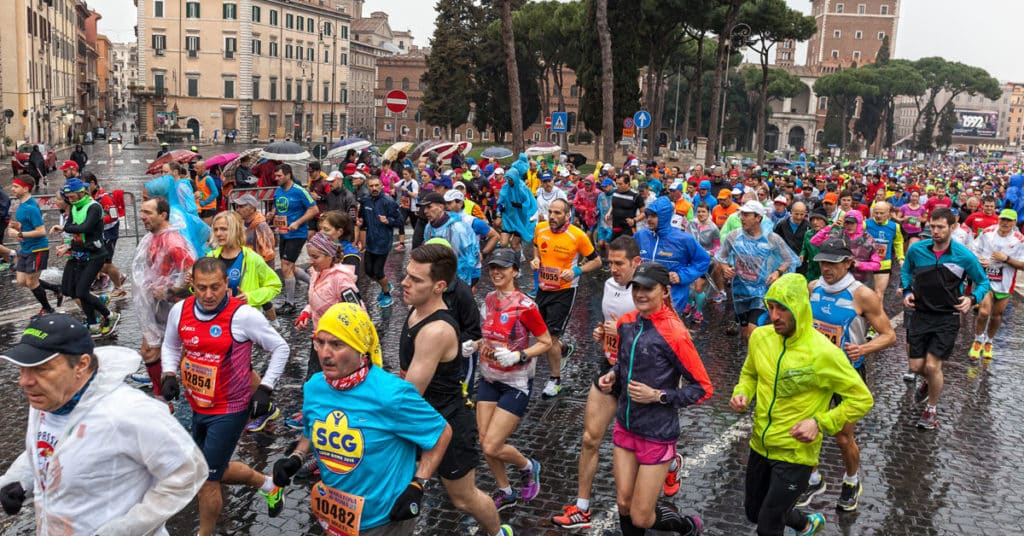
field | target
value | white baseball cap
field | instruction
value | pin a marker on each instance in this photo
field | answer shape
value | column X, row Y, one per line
column 752, row 207
column 454, row 195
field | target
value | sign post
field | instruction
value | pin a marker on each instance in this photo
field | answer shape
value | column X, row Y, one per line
column 397, row 101
column 642, row 120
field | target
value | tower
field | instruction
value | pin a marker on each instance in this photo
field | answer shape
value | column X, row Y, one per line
column 851, row 31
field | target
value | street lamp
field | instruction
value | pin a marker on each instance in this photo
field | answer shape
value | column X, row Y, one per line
column 737, row 39
column 326, row 25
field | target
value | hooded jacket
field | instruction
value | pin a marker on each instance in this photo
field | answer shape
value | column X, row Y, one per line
column 673, row 249
column 707, row 198
column 793, row 379
column 1015, row 195
column 123, row 467
column 658, row 352
column 517, row 203
column 865, row 255
column 259, row 282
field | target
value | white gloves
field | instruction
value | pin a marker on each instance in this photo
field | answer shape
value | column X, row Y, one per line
column 468, row 348
column 534, row 218
column 506, row 357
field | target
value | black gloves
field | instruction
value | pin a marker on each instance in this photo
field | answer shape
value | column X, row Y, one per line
column 13, row 495
column 169, row 388
column 285, row 469
column 407, row 506
column 260, row 404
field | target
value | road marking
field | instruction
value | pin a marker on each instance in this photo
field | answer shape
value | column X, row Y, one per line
column 101, row 162
column 118, row 162
column 149, row 160
column 135, row 161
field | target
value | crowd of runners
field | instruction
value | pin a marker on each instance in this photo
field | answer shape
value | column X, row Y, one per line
column 805, row 255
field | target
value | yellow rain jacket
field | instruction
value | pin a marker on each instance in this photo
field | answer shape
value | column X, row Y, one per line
column 793, row 378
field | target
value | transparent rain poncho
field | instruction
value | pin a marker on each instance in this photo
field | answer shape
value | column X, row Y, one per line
column 161, row 264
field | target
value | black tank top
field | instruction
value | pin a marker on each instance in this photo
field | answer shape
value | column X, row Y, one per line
column 444, row 391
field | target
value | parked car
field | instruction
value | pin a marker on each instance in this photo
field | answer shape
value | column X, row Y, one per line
column 88, row 138
column 115, row 137
column 100, row 133
column 19, row 163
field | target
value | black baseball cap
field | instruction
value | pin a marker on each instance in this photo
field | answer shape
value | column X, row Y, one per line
column 835, row 249
column 504, row 257
column 432, row 197
column 48, row 336
column 649, row 274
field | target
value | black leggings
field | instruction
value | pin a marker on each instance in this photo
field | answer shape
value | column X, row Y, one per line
column 771, row 492
column 79, row 275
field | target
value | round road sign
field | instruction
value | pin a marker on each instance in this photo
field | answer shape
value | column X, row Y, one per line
column 396, row 100
column 547, row 123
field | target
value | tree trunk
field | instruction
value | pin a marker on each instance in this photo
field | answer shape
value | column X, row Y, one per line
column 607, row 82
column 762, row 111
column 717, row 95
column 686, row 113
column 657, row 114
column 514, row 94
column 558, row 80
column 698, row 87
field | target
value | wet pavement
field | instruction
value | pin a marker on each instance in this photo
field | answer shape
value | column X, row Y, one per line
column 958, row 479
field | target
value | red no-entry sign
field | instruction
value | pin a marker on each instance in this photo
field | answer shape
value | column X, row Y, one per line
column 547, row 123
column 396, row 100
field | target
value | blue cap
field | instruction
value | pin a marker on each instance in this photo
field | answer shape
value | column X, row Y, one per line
column 607, row 182
column 72, row 186
column 470, row 161
column 546, row 176
column 443, row 181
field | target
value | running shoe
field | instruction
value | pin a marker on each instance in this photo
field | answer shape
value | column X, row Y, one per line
column 4, row 266
column 688, row 310
column 910, row 377
column 295, row 421
column 929, row 419
column 698, row 317
column 287, row 309
column 101, row 283
column 531, row 481
column 975, row 351
column 671, row 486
column 720, row 297
column 141, row 378
column 551, row 389
column 815, row 522
column 812, row 491
column 505, row 530
column 385, row 301
column 43, row 311
column 95, row 330
column 698, row 525
column 503, row 500
column 922, row 391
column 986, row 350
column 118, row 293
column 259, row 423
column 572, row 518
column 568, row 349
column 849, row 496
column 275, row 501
column 111, row 324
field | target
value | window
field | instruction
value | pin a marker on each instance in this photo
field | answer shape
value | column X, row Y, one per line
column 230, row 11
column 536, row 136
column 273, row 17
column 309, row 90
column 389, row 83
column 309, row 54
column 298, row 52
column 485, row 136
column 469, row 133
column 836, row 34
column 327, row 28
column 881, row 36
column 229, row 88
column 885, row 9
column 862, row 9
column 192, row 45
column 856, row 54
column 272, row 125
column 288, row 89
column 192, row 10
column 835, row 54
column 388, row 127
column 273, row 89
column 344, row 58
column 158, row 82
column 273, row 49
column 327, row 92
column 327, row 55
column 839, row 8
column 288, row 52
column 344, row 32
column 344, row 95
column 158, row 8
column 405, row 84
column 159, row 43
column 230, row 47
column 193, row 86
column 786, row 55
column 289, row 21
column 255, row 88
column 298, row 90
column 310, row 27
column 300, row 24
column 574, row 91
column 822, row 103
column 256, row 14
column 257, row 47
column 255, row 126
column 858, row 35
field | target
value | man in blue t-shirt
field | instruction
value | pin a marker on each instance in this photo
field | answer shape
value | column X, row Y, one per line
column 364, row 427
column 34, row 251
column 293, row 209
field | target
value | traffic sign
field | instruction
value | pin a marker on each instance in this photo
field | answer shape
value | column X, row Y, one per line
column 320, row 151
column 642, row 119
column 559, row 122
column 396, row 100
column 627, row 132
column 547, row 123
column 627, row 122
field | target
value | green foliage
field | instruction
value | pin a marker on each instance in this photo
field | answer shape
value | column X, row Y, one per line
column 448, row 80
column 626, row 64
column 947, row 120
column 955, row 78
column 781, row 84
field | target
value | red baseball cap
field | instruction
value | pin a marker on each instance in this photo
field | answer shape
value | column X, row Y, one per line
column 350, row 168
column 69, row 164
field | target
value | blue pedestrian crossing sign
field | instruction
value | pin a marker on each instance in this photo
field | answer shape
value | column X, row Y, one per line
column 642, row 119
column 559, row 121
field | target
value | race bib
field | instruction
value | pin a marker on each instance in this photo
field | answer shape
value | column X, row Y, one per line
column 912, row 221
column 747, row 267
column 611, row 347
column 281, row 222
column 832, row 331
column 881, row 248
column 339, row 513
column 994, row 273
column 550, row 278
column 199, row 380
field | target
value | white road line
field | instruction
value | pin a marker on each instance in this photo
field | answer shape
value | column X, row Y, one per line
column 149, row 160
column 135, row 161
column 101, row 162
column 118, row 162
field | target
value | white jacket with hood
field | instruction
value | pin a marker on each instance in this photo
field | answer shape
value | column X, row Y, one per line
column 122, row 467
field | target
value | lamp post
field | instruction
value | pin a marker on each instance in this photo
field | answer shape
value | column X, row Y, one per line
column 328, row 27
column 737, row 39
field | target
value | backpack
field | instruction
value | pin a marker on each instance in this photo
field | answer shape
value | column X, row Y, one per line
column 118, row 196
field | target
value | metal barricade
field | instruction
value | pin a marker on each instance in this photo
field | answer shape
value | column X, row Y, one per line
column 129, row 227
column 265, row 195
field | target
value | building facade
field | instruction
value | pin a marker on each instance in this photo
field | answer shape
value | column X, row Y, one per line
column 87, row 72
column 124, row 65
column 851, row 31
column 264, row 69
column 982, row 124
column 104, row 98
column 38, row 62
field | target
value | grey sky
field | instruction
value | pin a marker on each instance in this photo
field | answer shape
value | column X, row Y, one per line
column 977, row 35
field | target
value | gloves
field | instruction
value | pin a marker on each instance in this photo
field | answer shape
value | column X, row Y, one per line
column 507, row 357
column 300, row 322
column 468, row 348
column 12, row 496
column 407, row 506
column 169, row 387
column 260, row 404
column 285, row 469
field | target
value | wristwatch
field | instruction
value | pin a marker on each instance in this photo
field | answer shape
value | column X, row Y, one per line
column 663, row 398
column 523, row 358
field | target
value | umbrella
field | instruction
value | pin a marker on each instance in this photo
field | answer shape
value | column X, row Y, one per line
column 339, row 149
column 497, row 152
column 285, row 151
column 177, row 155
column 424, row 148
column 447, row 152
column 777, row 161
column 220, row 159
column 401, row 147
column 543, row 148
column 229, row 169
column 440, row 147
